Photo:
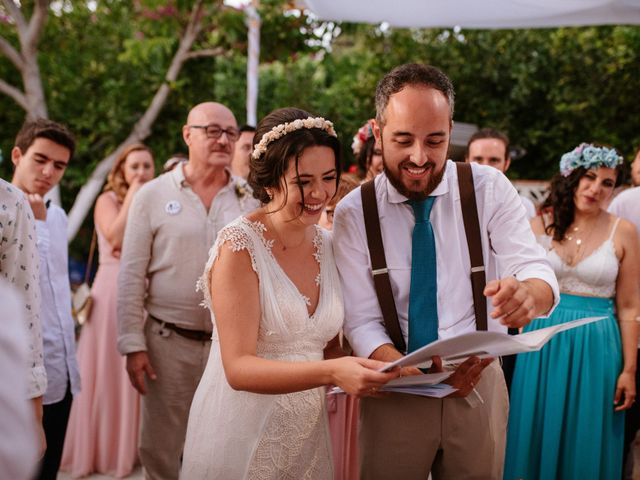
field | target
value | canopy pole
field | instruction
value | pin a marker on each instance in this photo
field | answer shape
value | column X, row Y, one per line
column 253, row 61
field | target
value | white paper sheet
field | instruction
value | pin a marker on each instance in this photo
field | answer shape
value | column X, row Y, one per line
column 427, row 385
column 485, row 344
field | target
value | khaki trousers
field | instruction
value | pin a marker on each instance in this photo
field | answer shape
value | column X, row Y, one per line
column 407, row 436
column 179, row 363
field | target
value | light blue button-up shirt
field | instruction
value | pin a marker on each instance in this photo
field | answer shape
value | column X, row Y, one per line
column 55, row 312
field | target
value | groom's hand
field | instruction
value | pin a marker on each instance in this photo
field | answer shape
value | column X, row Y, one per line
column 138, row 364
column 465, row 377
column 388, row 353
column 515, row 303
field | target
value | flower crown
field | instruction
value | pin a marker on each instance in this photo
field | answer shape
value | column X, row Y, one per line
column 281, row 130
column 364, row 134
column 588, row 156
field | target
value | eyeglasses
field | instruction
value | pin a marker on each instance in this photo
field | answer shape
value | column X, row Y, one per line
column 215, row 131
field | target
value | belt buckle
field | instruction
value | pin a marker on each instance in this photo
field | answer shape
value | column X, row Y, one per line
column 163, row 331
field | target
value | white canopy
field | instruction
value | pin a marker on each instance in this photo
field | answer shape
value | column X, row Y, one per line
column 490, row 14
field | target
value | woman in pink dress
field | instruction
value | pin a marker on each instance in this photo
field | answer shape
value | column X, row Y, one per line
column 102, row 435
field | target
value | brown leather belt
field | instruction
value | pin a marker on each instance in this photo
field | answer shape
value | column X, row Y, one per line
column 197, row 335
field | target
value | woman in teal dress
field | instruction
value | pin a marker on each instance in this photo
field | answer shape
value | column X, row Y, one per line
column 568, row 399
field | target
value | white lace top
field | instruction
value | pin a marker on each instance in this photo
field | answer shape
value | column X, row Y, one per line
column 595, row 275
column 242, row 435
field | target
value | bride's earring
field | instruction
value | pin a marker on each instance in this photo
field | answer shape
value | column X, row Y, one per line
column 269, row 194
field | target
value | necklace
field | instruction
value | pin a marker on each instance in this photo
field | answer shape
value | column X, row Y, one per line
column 279, row 238
column 580, row 240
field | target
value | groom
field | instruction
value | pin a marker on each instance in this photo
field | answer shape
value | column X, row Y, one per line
column 461, row 436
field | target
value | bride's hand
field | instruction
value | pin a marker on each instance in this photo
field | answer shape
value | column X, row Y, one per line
column 359, row 376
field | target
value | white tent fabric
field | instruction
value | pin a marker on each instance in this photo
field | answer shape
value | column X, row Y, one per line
column 490, row 14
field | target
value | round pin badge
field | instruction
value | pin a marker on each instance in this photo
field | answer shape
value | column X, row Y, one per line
column 173, row 207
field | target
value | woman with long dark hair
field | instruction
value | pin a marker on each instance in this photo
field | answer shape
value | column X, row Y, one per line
column 568, row 400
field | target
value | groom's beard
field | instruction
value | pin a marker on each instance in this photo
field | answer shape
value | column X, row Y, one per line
column 411, row 188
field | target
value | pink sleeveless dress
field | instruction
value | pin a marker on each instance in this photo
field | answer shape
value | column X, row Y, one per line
column 102, row 435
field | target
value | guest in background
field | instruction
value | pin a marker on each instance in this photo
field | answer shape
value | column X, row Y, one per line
column 491, row 147
column 103, row 428
column 242, row 152
column 625, row 205
column 566, row 418
column 367, row 152
column 171, row 226
column 635, row 170
column 40, row 156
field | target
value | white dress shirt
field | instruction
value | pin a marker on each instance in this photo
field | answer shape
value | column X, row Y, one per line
column 57, row 323
column 529, row 207
column 626, row 205
column 508, row 246
column 19, row 266
column 18, row 443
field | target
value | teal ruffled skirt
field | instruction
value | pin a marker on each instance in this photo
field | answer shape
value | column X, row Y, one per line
column 562, row 423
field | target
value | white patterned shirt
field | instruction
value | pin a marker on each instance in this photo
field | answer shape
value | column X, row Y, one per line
column 18, row 443
column 19, row 265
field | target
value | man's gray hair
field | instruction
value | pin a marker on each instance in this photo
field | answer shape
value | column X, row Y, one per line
column 411, row 74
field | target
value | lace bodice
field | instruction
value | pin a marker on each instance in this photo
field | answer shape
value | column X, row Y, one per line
column 595, row 275
column 286, row 326
column 243, row 435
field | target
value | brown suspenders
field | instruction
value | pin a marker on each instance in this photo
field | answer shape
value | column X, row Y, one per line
column 379, row 263
column 474, row 242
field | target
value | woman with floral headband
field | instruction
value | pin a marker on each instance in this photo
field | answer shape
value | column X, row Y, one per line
column 368, row 154
column 276, row 304
column 568, row 400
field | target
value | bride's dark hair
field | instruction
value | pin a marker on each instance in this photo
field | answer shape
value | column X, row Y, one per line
column 269, row 168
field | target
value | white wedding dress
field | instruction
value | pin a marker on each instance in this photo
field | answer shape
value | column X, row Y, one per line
column 240, row 435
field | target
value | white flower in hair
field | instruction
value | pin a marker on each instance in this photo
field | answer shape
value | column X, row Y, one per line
column 281, row 130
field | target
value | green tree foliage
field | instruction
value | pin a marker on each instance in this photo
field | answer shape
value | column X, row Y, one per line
column 101, row 62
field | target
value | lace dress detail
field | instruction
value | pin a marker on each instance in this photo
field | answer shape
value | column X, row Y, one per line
column 594, row 276
column 241, row 435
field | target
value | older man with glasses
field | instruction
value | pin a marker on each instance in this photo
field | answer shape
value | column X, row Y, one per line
column 172, row 224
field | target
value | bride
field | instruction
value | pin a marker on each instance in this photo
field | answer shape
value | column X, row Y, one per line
column 276, row 303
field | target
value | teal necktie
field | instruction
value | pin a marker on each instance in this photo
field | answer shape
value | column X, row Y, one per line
column 423, row 293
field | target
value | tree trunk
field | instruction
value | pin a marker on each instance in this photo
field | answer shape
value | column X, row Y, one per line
column 141, row 130
column 33, row 101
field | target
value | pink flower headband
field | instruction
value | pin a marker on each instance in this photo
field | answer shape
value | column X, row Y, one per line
column 364, row 134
